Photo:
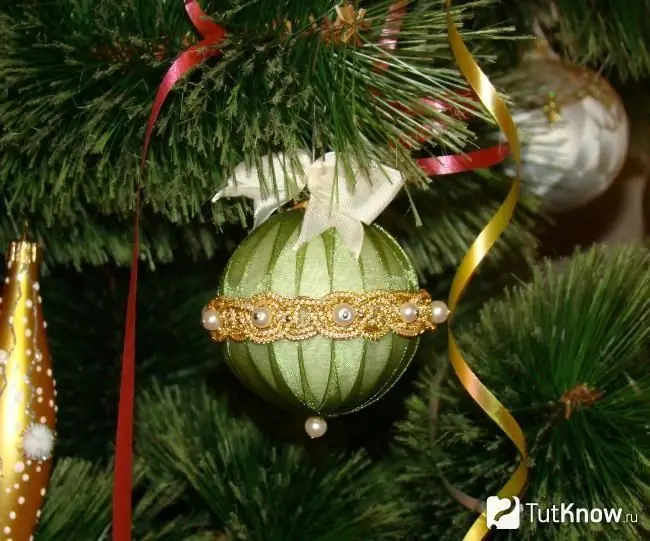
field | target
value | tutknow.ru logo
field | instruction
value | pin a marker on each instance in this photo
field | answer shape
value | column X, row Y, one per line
column 507, row 513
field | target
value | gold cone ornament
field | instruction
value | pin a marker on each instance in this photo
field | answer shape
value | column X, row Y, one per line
column 27, row 407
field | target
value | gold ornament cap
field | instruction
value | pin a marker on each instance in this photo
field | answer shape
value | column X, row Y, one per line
column 24, row 252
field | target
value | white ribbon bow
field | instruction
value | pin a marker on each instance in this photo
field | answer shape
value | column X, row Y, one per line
column 334, row 199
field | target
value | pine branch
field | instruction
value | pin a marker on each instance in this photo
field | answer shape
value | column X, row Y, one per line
column 585, row 326
column 85, row 315
column 253, row 488
column 78, row 506
column 454, row 210
column 607, row 33
column 78, row 93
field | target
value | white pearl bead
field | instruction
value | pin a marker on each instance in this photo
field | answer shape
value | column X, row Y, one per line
column 210, row 319
column 344, row 314
column 409, row 312
column 439, row 312
column 316, row 427
column 261, row 317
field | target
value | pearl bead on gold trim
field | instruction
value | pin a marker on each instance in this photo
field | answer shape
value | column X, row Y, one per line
column 409, row 312
column 344, row 314
column 261, row 317
column 210, row 319
column 439, row 312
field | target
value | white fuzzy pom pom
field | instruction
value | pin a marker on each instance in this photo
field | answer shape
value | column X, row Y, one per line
column 38, row 442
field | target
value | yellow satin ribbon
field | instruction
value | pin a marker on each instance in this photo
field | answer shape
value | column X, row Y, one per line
column 477, row 252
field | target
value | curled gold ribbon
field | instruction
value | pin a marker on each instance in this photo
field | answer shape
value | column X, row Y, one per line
column 470, row 263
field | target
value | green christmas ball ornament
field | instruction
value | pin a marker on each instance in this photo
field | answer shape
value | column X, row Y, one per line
column 319, row 310
column 314, row 328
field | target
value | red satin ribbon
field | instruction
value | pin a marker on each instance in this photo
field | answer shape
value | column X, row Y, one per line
column 212, row 36
column 460, row 163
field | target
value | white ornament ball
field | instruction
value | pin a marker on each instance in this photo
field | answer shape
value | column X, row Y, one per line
column 38, row 442
column 575, row 134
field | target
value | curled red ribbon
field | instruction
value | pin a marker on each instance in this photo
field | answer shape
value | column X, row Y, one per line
column 212, row 36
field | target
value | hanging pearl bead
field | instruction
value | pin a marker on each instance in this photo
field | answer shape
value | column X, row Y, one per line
column 409, row 312
column 210, row 319
column 261, row 318
column 316, row 427
column 344, row 314
column 439, row 312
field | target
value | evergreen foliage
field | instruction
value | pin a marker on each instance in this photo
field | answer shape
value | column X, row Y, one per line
column 78, row 506
column 253, row 488
column 588, row 324
column 85, row 315
column 609, row 34
column 78, row 93
column 77, row 81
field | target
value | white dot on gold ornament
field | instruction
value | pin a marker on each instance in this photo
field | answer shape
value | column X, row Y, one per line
column 49, row 371
column 28, row 332
column 315, row 427
column 39, row 356
column 51, row 403
column 6, row 280
column 8, row 490
column 25, row 320
column 38, row 513
column 56, row 409
column 38, row 368
column 19, row 466
column 36, row 286
column 38, row 441
column 12, row 515
column 40, row 299
column 16, row 486
column 29, row 303
column 28, row 352
column 7, row 529
column 409, row 312
column 29, row 462
column 39, row 469
column 21, row 500
column 39, row 390
column 261, row 317
column 210, row 319
column 40, row 399
column 344, row 314
column 42, row 492
column 439, row 312
column 45, row 324
column 43, row 420
column 25, row 477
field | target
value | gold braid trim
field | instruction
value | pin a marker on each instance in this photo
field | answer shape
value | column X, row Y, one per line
column 373, row 315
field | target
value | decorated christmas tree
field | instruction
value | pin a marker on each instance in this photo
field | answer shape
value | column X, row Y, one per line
column 277, row 271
